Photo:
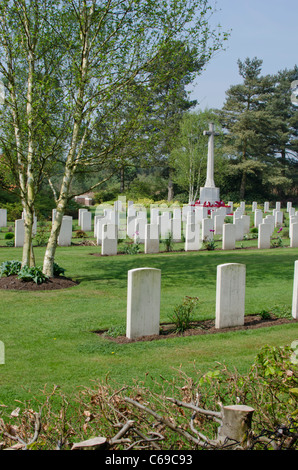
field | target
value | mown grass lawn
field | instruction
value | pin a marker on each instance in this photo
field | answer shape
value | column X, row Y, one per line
column 49, row 336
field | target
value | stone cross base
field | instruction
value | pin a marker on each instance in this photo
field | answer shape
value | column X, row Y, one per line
column 209, row 195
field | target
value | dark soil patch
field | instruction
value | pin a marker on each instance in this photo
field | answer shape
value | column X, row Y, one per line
column 13, row 283
column 201, row 328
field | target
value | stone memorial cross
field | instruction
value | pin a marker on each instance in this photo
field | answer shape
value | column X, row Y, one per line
column 210, row 161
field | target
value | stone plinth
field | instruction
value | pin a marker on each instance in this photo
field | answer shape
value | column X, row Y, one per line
column 209, row 195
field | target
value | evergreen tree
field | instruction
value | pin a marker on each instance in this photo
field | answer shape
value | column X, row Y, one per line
column 246, row 118
column 284, row 118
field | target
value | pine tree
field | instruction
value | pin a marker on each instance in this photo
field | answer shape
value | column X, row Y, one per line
column 246, row 118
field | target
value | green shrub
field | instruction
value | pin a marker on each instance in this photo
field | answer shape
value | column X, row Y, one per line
column 10, row 268
column 9, row 236
column 80, row 234
column 33, row 273
column 58, row 271
column 105, row 195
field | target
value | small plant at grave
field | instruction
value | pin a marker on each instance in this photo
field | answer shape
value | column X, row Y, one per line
column 58, row 270
column 209, row 245
column 277, row 243
column 183, row 314
column 265, row 314
column 168, row 242
column 32, row 273
column 10, row 268
column 132, row 248
column 282, row 311
column 116, row 331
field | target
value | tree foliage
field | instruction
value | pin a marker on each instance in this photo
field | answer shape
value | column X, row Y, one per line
column 261, row 125
column 66, row 67
column 189, row 156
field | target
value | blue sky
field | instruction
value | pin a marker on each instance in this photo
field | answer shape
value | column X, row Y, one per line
column 266, row 29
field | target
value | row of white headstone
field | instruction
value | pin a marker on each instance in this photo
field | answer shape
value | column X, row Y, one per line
column 143, row 304
column 193, row 223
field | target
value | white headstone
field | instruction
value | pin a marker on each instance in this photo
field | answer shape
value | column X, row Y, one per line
column 193, row 239
column 109, row 240
column 79, row 215
column 19, row 233
column 270, row 219
column 177, row 213
column 254, row 206
column 237, row 214
column 96, row 219
column 218, row 223
column 278, row 218
column 65, row 235
column 239, row 224
column 151, row 238
column 230, row 295
column 86, row 221
column 258, row 218
column 100, row 222
column 228, row 236
column 266, row 206
column 291, row 211
column 131, row 221
column 143, row 302
column 289, row 206
column 294, row 236
column 3, row 217
column 246, row 223
column 293, row 220
column 207, row 229
column 165, row 225
column 200, row 213
column 264, row 235
column 176, row 228
column 154, row 214
column 139, row 233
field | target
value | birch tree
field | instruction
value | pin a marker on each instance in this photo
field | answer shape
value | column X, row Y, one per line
column 27, row 68
column 115, row 41
column 80, row 55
